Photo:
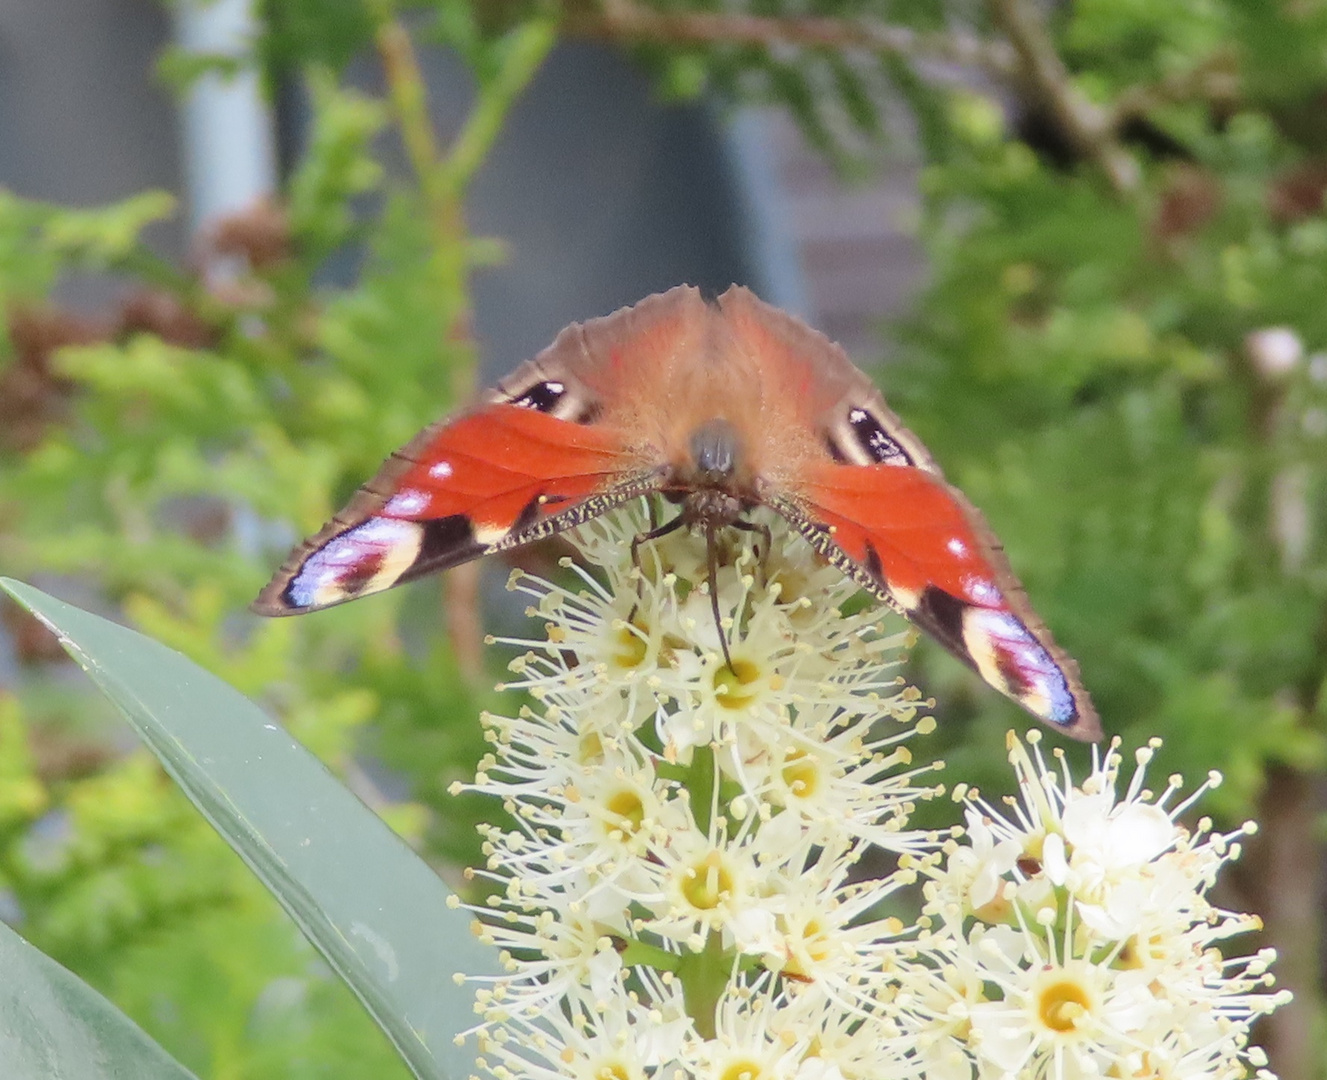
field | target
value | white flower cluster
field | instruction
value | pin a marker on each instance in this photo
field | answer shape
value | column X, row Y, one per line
column 1076, row 937
column 705, row 863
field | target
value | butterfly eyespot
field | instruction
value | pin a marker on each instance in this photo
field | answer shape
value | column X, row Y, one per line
column 542, row 397
column 873, row 440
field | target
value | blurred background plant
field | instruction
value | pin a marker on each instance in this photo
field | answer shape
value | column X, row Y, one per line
column 1119, row 352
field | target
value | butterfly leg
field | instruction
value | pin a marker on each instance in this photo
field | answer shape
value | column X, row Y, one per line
column 762, row 553
column 712, row 567
column 643, row 538
column 654, row 534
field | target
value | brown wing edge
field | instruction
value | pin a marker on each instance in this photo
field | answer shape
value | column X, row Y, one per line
column 582, row 350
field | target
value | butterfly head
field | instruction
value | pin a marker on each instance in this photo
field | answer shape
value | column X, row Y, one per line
column 713, row 482
column 716, row 454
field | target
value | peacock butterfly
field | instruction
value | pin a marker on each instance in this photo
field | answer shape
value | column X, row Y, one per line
column 720, row 407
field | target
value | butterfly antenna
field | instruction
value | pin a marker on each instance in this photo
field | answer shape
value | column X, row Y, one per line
column 712, row 560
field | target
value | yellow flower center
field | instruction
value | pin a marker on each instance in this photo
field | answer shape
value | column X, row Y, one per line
column 628, row 648
column 1063, row 1004
column 741, row 1070
column 625, row 812
column 1138, row 951
column 731, row 684
column 814, row 948
column 801, row 773
column 591, row 749
column 708, row 883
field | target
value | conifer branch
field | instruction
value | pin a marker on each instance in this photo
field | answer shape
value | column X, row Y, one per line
column 628, row 21
column 1215, row 81
column 1044, row 79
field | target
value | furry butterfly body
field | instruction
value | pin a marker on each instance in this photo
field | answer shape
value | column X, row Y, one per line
column 720, row 407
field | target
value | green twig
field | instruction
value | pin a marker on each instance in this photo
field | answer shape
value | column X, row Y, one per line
column 704, row 976
column 1042, row 75
column 523, row 55
column 442, row 178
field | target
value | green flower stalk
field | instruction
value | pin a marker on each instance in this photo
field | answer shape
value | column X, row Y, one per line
column 684, row 890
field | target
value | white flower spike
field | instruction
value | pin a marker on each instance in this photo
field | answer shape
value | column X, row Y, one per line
column 680, row 890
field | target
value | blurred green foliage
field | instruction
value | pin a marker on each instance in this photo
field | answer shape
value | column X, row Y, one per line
column 1096, row 371
column 163, row 455
column 1090, row 360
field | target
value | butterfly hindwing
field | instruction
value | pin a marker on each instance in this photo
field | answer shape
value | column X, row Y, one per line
column 914, row 541
column 501, row 475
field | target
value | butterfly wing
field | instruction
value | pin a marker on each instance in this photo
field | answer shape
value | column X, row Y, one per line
column 555, row 443
column 497, row 477
column 871, row 499
column 919, row 545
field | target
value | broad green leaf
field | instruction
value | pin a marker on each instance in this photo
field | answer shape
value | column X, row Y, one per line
column 53, row 1026
column 372, row 907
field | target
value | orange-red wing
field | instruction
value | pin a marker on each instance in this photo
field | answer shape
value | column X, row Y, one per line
column 493, row 478
column 914, row 541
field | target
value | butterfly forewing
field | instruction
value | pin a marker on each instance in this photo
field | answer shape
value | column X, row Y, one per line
column 497, row 477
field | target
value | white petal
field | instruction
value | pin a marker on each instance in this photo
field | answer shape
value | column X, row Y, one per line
column 1053, row 860
column 1096, row 919
column 756, row 931
column 604, row 967
column 1004, row 1039
column 1136, row 834
column 946, row 1060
